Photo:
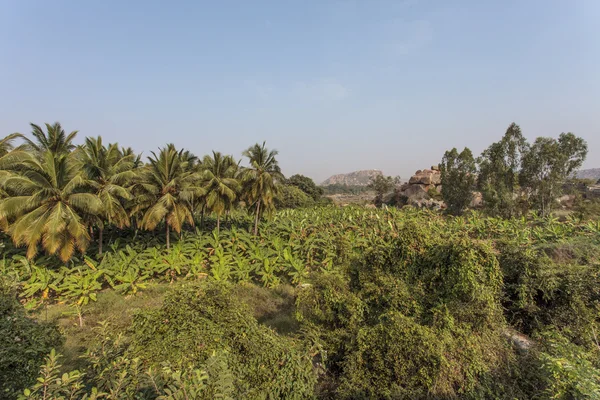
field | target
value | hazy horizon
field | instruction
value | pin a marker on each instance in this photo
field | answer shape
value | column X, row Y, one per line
column 335, row 86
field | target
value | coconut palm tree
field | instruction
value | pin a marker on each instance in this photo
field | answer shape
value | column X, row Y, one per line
column 166, row 190
column 6, row 159
column 137, row 158
column 220, row 185
column 259, row 179
column 48, row 203
column 54, row 139
column 111, row 173
column 6, row 143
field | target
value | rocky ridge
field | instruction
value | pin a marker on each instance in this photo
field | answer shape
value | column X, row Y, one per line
column 592, row 173
column 356, row 178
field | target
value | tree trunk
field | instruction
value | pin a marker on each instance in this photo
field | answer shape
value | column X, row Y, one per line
column 100, row 236
column 168, row 238
column 218, row 223
column 202, row 217
column 256, row 218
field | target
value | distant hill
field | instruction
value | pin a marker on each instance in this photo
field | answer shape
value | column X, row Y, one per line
column 356, row 178
column 593, row 173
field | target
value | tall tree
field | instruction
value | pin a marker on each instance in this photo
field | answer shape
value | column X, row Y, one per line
column 547, row 165
column 7, row 143
column 458, row 179
column 6, row 159
column 307, row 185
column 111, row 173
column 498, row 178
column 260, row 178
column 48, row 204
column 166, row 190
column 221, row 185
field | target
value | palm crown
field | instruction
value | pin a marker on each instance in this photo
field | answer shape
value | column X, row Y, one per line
column 47, row 203
column 166, row 189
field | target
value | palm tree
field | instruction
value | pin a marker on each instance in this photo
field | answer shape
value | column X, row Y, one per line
column 55, row 140
column 260, row 179
column 6, row 144
column 166, row 190
column 221, row 186
column 137, row 158
column 6, row 159
column 48, row 203
column 111, row 173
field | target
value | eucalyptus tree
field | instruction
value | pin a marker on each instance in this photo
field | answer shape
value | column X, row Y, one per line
column 546, row 166
column 260, row 180
column 499, row 167
column 165, row 190
column 111, row 174
column 458, row 179
column 220, row 183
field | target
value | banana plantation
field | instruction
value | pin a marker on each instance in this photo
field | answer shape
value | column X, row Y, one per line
column 178, row 279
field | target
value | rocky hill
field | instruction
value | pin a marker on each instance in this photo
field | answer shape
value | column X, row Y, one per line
column 593, row 173
column 356, row 178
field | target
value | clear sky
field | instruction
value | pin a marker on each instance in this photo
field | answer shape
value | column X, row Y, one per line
column 335, row 86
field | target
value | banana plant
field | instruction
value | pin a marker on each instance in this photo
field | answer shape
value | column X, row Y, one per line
column 39, row 287
column 131, row 281
column 242, row 269
column 298, row 271
column 220, row 265
column 81, row 288
column 266, row 271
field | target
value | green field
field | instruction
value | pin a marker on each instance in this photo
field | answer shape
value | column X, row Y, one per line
column 330, row 303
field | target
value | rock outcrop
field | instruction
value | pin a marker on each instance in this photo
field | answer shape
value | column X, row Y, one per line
column 356, row 178
column 423, row 189
column 592, row 174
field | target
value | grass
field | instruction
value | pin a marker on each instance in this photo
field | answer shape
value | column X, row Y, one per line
column 111, row 306
column 271, row 307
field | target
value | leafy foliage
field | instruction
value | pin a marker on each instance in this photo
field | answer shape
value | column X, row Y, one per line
column 458, row 179
column 25, row 342
column 199, row 320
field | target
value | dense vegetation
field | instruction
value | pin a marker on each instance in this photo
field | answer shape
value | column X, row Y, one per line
column 512, row 175
column 318, row 302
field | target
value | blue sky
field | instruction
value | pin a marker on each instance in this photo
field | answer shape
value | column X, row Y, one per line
column 335, row 86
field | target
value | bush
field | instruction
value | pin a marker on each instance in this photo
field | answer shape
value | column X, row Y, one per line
column 24, row 344
column 417, row 318
column 199, row 320
column 292, row 197
column 555, row 284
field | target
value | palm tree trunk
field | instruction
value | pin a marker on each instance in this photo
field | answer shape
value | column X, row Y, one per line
column 168, row 238
column 256, row 218
column 218, row 223
column 100, row 236
column 202, row 217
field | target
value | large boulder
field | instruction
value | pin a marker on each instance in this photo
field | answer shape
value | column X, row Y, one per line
column 477, row 200
column 426, row 177
column 415, row 191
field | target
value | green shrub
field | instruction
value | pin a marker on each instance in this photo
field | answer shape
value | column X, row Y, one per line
column 23, row 344
column 419, row 317
column 200, row 319
column 567, row 370
column 557, row 284
column 292, row 197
